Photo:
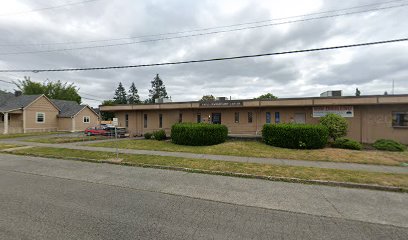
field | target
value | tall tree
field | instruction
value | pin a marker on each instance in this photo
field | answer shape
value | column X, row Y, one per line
column 207, row 98
column 269, row 96
column 133, row 97
column 108, row 115
column 358, row 93
column 120, row 95
column 53, row 90
column 158, row 89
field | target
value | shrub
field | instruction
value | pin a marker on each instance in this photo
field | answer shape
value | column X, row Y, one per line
column 159, row 135
column 295, row 135
column 346, row 143
column 198, row 134
column 147, row 135
column 389, row 145
column 336, row 124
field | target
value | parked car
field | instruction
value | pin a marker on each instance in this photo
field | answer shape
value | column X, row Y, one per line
column 95, row 131
column 120, row 131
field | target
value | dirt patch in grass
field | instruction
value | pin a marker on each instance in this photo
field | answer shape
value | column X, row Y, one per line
column 4, row 146
column 306, row 173
column 259, row 149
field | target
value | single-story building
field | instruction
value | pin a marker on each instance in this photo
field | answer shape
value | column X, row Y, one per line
column 37, row 113
column 370, row 117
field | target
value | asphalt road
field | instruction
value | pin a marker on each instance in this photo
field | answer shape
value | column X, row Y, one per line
column 58, row 199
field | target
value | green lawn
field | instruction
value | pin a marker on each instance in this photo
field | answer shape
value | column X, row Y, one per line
column 4, row 146
column 17, row 135
column 306, row 173
column 67, row 139
column 259, row 149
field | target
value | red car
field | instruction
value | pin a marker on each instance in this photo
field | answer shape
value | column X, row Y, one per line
column 95, row 131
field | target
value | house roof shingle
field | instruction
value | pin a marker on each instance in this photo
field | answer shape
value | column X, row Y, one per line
column 68, row 108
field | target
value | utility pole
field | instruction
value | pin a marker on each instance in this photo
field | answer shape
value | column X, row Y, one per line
column 392, row 87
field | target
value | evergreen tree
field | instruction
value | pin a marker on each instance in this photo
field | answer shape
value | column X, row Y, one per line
column 108, row 115
column 133, row 97
column 158, row 89
column 358, row 93
column 120, row 95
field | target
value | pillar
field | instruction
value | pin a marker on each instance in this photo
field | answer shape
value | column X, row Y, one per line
column 6, row 123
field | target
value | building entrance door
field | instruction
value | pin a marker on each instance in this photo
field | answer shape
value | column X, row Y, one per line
column 216, row 118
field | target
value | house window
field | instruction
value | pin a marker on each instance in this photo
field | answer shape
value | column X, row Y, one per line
column 86, row 119
column 198, row 117
column 180, row 118
column 249, row 117
column 237, row 117
column 268, row 117
column 277, row 117
column 126, row 120
column 40, row 117
column 145, row 120
column 400, row 119
column 2, row 118
column 160, row 120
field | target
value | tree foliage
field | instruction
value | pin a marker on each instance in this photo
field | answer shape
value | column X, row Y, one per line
column 207, row 98
column 336, row 124
column 158, row 89
column 358, row 92
column 120, row 95
column 267, row 96
column 107, row 116
column 53, row 90
column 133, row 97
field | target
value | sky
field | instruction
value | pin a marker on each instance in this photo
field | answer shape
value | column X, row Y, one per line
column 56, row 34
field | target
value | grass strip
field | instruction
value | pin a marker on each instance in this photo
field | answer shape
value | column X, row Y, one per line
column 57, row 140
column 265, row 170
column 4, row 146
column 259, row 149
column 18, row 135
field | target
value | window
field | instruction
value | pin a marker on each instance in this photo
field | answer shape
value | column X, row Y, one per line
column 198, row 117
column 145, row 120
column 40, row 117
column 86, row 119
column 126, row 120
column 160, row 120
column 180, row 118
column 277, row 117
column 249, row 117
column 237, row 117
column 2, row 118
column 400, row 119
column 268, row 117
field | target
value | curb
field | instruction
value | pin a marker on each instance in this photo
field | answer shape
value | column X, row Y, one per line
column 241, row 175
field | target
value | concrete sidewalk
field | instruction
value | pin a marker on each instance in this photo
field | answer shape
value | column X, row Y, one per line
column 286, row 162
column 335, row 202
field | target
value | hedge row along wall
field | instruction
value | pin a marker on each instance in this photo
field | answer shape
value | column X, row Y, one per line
column 198, row 134
column 298, row 136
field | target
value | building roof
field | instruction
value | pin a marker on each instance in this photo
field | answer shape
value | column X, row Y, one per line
column 68, row 108
column 9, row 102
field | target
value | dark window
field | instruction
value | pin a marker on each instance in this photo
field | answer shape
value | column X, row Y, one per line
column 277, row 117
column 180, row 117
column 86, row 119
column 400, row 119
column 127, row 120
column 145, row 120
column 160, row 120
column 249, row 117
column 40, row 117
column 2, row 118
column 268, row 117
column 198, row 117
column 237, row 117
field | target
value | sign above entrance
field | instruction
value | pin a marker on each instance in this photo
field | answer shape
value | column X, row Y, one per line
column 344, row 111
column 221, row 104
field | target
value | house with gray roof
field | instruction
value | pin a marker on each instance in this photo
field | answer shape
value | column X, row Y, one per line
column 37, row 113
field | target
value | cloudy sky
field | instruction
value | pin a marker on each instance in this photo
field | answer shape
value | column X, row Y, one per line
column 44, row 34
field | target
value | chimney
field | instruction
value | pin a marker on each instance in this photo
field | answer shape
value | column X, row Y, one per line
column 18, row 93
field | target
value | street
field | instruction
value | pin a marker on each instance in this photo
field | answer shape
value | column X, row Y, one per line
column 58, row 199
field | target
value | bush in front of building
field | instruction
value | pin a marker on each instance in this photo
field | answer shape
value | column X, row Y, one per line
column 347, row 143
column 297, row 136
column 147, row 135
column 159, row 135
column 336, row 124
column 198, row 134
column 389, row 145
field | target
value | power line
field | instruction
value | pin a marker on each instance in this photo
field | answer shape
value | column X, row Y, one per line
column 211, row 59
column 202, row 29
column 6, row 81
column 47, row 8
column 199, row 34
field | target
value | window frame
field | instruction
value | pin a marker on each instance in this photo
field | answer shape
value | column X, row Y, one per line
column 43, row 117
column 88, row 117
column 277, row 117
column 145, row 120
column 250, row 117
column 268, row 117
column 160, row 120
column 198, row 118
column 236, row 117
column 127, row 120
column 180, row 120
column 395, row 115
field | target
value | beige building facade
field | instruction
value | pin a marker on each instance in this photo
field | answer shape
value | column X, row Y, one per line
column 369, row 117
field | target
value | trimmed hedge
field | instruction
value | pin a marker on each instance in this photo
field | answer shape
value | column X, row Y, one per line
column 389, row 145
column 297, row 136
column 198, row 134
column 148, row 135
column 346, row 143
column 159, row 135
